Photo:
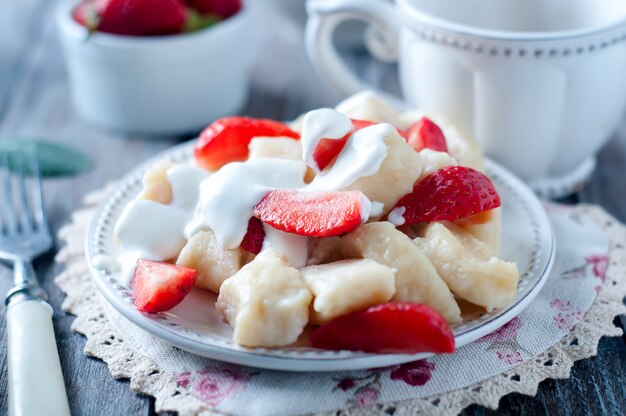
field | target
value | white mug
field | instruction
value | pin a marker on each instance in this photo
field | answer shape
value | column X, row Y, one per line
column 541, row 84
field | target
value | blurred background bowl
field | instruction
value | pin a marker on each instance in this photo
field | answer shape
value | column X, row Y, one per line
column 156, row 85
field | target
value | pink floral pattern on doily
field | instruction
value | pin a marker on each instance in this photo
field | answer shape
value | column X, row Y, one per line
column 365, row 390
column 366, row 396
column 214, row 384
column 416, row 373
column 567, row 315
column 504, row 342
column 600, row 264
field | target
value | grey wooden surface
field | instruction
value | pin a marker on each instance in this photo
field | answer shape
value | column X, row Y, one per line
column 34, row 102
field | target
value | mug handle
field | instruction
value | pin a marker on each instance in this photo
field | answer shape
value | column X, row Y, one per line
column 326, row 15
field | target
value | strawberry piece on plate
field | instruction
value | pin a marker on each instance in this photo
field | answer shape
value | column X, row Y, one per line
column 313, row 214
column 402, row 328
column 327, row 149
column 253, row 240
column 160, row 286
column 361, row 124
column 226, row 140
column 448, row 194
column 426, row 134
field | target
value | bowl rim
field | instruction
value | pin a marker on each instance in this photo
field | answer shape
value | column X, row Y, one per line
column 417, row 17
column 70, row 28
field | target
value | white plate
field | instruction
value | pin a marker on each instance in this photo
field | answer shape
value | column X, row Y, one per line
column 196, row 326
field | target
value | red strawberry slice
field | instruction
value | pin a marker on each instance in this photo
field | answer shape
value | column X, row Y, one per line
column 226, row 140
column 132, row 17
column 314, row 214
column 426, row 134
column 160, row 286
column 221, row 8
column 449, row 194
column 403, row 328
column 327, row 149
column 253, row 240
column 361, row 124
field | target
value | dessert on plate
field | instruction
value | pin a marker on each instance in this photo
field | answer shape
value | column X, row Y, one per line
column 368, row 225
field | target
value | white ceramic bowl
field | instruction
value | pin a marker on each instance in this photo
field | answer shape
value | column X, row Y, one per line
column 156, row 85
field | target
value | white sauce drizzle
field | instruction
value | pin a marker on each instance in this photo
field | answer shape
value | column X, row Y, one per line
column 362, row 156
column 324, row 123
column 224, row 201
column 377, row 209
column 293, row 246
column 105, row 263
column 153, row 231
column 396, row 216
column 228, row 197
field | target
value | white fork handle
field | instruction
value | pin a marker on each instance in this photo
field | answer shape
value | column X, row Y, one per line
column 36, row 384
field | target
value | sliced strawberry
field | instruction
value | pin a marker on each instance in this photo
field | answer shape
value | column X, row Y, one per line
column 160, row 286
column 426, row 134
column 314, row 214
column 449, row 194
column 403, row 328
column 361, row 124
column 327, row 149
column 226, row 140
column 253, row 240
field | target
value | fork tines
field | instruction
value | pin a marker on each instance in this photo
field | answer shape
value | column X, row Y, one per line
column 21, row 200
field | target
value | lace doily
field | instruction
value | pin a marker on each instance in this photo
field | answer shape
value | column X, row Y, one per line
column 105, row 341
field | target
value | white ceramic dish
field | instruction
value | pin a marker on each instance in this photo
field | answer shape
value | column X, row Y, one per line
column 156, row 85
column 196, row 326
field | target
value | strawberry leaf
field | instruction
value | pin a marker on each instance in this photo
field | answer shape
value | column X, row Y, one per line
column 55, row 159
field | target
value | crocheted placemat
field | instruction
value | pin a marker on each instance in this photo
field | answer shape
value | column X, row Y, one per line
column 564, row 324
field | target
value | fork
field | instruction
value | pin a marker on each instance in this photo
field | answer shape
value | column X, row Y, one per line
column 36, row 384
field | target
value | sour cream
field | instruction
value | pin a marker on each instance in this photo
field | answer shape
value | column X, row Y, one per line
column 228, row 197
column 224, row 201
column 362, row 156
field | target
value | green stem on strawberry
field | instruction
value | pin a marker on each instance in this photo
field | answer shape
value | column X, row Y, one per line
column 196, row 21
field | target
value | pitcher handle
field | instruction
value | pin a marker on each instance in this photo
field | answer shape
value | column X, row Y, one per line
column 326, row 15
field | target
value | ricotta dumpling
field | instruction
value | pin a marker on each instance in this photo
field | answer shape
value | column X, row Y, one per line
column 369, row 106
column 212, row 262
column 347, row 286
column 266, row 302
column 324, row 250
column 396, row 176
column 156, row 187
column 276, row 148
column 433, row 161
column 486, row 227
column 462, row 147
column 416, row 278
column 464, row 263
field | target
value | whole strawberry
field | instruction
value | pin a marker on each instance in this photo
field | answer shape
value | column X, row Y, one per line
column 133, row 17
column 449, row 194
column 221, row 8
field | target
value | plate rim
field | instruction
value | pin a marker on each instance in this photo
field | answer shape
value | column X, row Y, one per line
column 264, row 357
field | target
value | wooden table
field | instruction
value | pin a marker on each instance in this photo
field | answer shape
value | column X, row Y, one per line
column 35, row 102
